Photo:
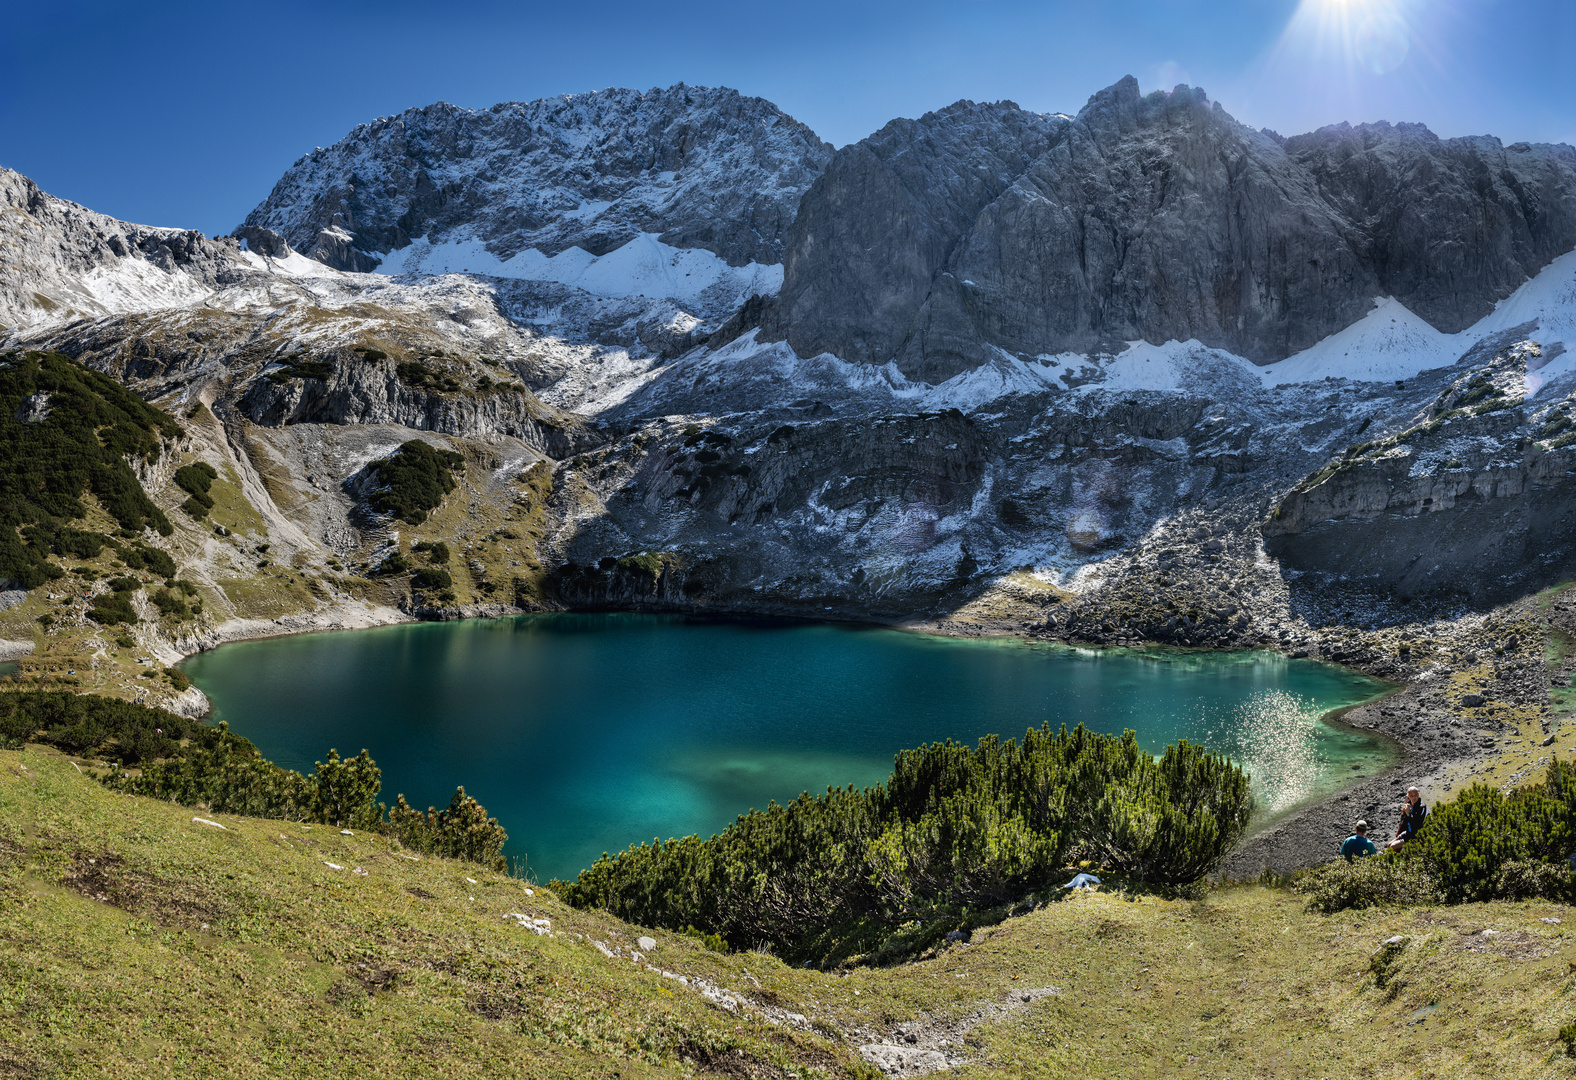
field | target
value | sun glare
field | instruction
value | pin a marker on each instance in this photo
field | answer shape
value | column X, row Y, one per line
column 1369, row 35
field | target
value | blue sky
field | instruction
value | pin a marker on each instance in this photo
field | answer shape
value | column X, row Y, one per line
column 186, row 113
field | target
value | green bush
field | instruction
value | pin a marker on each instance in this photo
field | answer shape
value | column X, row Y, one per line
column 1482, row 845
column 711, row 941
column 1375, row 881
column 414, row 479
column 108, row 609
column 429, row 577
column 142, row 557
column 169, row 604
column 394, row 564
column 195, row 479
column 1469, row 843
column 227, row 774
column 297, row 368
column 462, row 830
column 954, row 829
column 79, row 723
column 437, row 551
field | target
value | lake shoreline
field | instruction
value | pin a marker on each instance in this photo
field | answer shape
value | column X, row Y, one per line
column 1283, row 843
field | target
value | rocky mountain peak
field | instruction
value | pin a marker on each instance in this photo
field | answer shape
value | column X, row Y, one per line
column 699, row 167
column 61, row 260
column 1154, row 217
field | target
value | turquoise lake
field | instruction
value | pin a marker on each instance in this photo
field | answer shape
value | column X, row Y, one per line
column 587, row 733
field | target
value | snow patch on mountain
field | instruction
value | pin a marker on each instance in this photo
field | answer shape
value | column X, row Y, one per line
column 645, row 266
column 1388, row 343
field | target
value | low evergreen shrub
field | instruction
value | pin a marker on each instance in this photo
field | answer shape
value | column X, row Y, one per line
column 141, row 557
column 188, row 762
column 1482, row 845
column 88, row 723
column 1470, row 843
column 429, row 577
column 437, row 551
column 396, row 563
column 110, row 608
column 954, row 829
column 169, row 604
column 1375, row 881
column 414, row 480
column 196, row 479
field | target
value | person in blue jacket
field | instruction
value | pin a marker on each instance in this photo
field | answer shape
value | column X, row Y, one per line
column 1358, row 845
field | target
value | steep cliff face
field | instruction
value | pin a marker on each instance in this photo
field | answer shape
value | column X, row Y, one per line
column 305, row 365
column 1476, row 496
column 699, row 168
column 1448, row 226
column 886, row 217
column 1155, row 218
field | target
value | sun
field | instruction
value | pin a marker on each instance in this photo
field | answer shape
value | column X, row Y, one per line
column 1370, row 35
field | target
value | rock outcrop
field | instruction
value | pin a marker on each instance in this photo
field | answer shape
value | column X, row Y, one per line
column 698, row 167
column 977, row 230
column 1475, row 497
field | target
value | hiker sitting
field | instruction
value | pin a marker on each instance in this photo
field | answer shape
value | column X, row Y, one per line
column 1358, row 845
column 1412, row 814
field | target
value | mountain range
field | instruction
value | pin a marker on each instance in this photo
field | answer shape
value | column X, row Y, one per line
column 1139, row 374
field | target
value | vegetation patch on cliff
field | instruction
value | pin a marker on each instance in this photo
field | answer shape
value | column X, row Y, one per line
column 66, row 432
column 414, row 480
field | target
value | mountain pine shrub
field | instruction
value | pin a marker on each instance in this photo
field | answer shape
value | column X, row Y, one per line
column 1482, row 845
column 954, row 829
column 188, row 762
column 195, row 479
column 414, row 480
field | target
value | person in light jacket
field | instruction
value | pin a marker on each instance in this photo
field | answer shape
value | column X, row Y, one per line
column 1412, row 814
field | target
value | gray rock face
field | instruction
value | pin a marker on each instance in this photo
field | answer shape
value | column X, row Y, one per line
column 884, row 221
column 59, row 260
column 702, row 168
column 1447, row 226
column 357, row 391
column 1152, row 218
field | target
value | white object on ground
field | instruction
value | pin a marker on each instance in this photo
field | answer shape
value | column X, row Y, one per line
column 646, row 944
column 346, row 832
column 539, row 927
column 205, row 821
column 332, row 865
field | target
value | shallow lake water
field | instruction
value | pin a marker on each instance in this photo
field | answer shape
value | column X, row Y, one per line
column 586, row 733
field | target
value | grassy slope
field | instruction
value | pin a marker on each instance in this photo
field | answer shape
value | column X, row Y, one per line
column 181, row 946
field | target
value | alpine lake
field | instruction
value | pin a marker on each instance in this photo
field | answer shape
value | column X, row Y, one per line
column 585, row 733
